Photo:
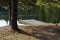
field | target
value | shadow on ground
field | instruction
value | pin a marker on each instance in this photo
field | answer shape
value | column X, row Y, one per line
column 39, row 32
column 43, row 32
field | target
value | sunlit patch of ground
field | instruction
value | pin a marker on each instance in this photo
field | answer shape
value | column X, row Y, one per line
column 7, row 34
column 36, row 32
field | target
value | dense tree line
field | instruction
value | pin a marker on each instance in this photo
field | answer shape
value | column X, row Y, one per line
column 44, row 10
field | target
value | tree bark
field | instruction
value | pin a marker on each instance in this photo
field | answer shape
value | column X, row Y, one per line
column 13, row 14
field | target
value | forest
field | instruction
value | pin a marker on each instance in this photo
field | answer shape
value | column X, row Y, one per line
column 43, row 10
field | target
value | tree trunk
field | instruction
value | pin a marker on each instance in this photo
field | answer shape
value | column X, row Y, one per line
column 13, row 14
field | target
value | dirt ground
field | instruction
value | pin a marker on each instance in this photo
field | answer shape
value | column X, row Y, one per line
column 35, row 33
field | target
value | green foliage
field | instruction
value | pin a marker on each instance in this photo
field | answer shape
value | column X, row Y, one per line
column 4, row 2
column 26, row 4
column 50, row 9
column 44, row 10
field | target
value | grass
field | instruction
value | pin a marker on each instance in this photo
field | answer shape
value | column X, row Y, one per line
column 36, row 32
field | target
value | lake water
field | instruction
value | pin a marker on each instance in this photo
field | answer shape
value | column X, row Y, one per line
column 6, row 23
column 3, row 23
column 32, row 21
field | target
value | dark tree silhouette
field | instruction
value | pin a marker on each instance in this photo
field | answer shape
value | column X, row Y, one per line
column 13, row 14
